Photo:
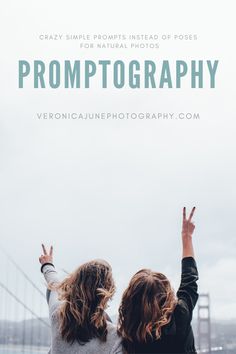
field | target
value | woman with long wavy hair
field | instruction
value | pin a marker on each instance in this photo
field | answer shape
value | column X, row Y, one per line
column 79, row 323
column 152, row 319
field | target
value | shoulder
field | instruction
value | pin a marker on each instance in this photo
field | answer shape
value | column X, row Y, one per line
column 54, row 313
column 181, row 308
column 112, row 330
column 113, row 339
column 182, row 317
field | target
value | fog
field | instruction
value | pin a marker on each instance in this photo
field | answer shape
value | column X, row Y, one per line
column 115, row 188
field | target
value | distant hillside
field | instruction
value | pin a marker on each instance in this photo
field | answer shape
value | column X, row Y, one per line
column 34, row 332
column 28, row 332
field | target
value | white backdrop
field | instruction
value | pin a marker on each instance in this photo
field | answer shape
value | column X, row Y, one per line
column 114, row 189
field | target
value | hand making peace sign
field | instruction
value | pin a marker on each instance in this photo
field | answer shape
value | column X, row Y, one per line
column 188, row 226
column 46, row 257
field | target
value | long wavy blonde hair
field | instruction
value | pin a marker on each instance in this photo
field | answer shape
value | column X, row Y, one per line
column 85, row 294
column 146, row 306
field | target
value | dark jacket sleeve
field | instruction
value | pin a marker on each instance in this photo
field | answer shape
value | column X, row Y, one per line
column 187, row 292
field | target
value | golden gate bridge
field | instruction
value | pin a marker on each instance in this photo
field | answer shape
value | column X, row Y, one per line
column 24, row 327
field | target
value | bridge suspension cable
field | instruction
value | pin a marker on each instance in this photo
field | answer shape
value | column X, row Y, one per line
column 23, row 304
column 22, row 272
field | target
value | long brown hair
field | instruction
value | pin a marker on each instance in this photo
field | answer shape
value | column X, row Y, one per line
column 85, row 294
column 146, row 306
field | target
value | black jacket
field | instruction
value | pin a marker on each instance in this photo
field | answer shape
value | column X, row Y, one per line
column 177, row 335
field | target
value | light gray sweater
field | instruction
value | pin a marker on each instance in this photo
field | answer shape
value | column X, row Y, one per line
column 58, row 345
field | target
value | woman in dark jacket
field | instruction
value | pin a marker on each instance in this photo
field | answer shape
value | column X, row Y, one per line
column 152, row 319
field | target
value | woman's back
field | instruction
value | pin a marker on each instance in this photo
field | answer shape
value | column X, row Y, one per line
column 152, row 319
column 79, row 323
column 94, row 346
column 177, row 335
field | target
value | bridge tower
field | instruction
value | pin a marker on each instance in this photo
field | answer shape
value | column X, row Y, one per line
column 204, row 323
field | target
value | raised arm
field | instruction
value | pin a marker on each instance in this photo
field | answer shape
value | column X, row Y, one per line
column 187, row 232
column 50, row 275
column 187, row 293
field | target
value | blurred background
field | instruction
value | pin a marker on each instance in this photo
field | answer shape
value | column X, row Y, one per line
column 115, row 189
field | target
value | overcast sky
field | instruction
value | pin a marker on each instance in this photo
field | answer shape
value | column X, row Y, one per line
column 115, row 189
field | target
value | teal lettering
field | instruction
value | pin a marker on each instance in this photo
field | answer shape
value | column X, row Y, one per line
column 181, row 70
column 39, row 70
column 104, row 64
column 24, row 70
column 149, row 71
column 72, row 75
column 134, row 79
column 212, row 71
column 90, row 70
column 119, row 74
column 54, row 74
column 197, row 74
column 165, row 75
